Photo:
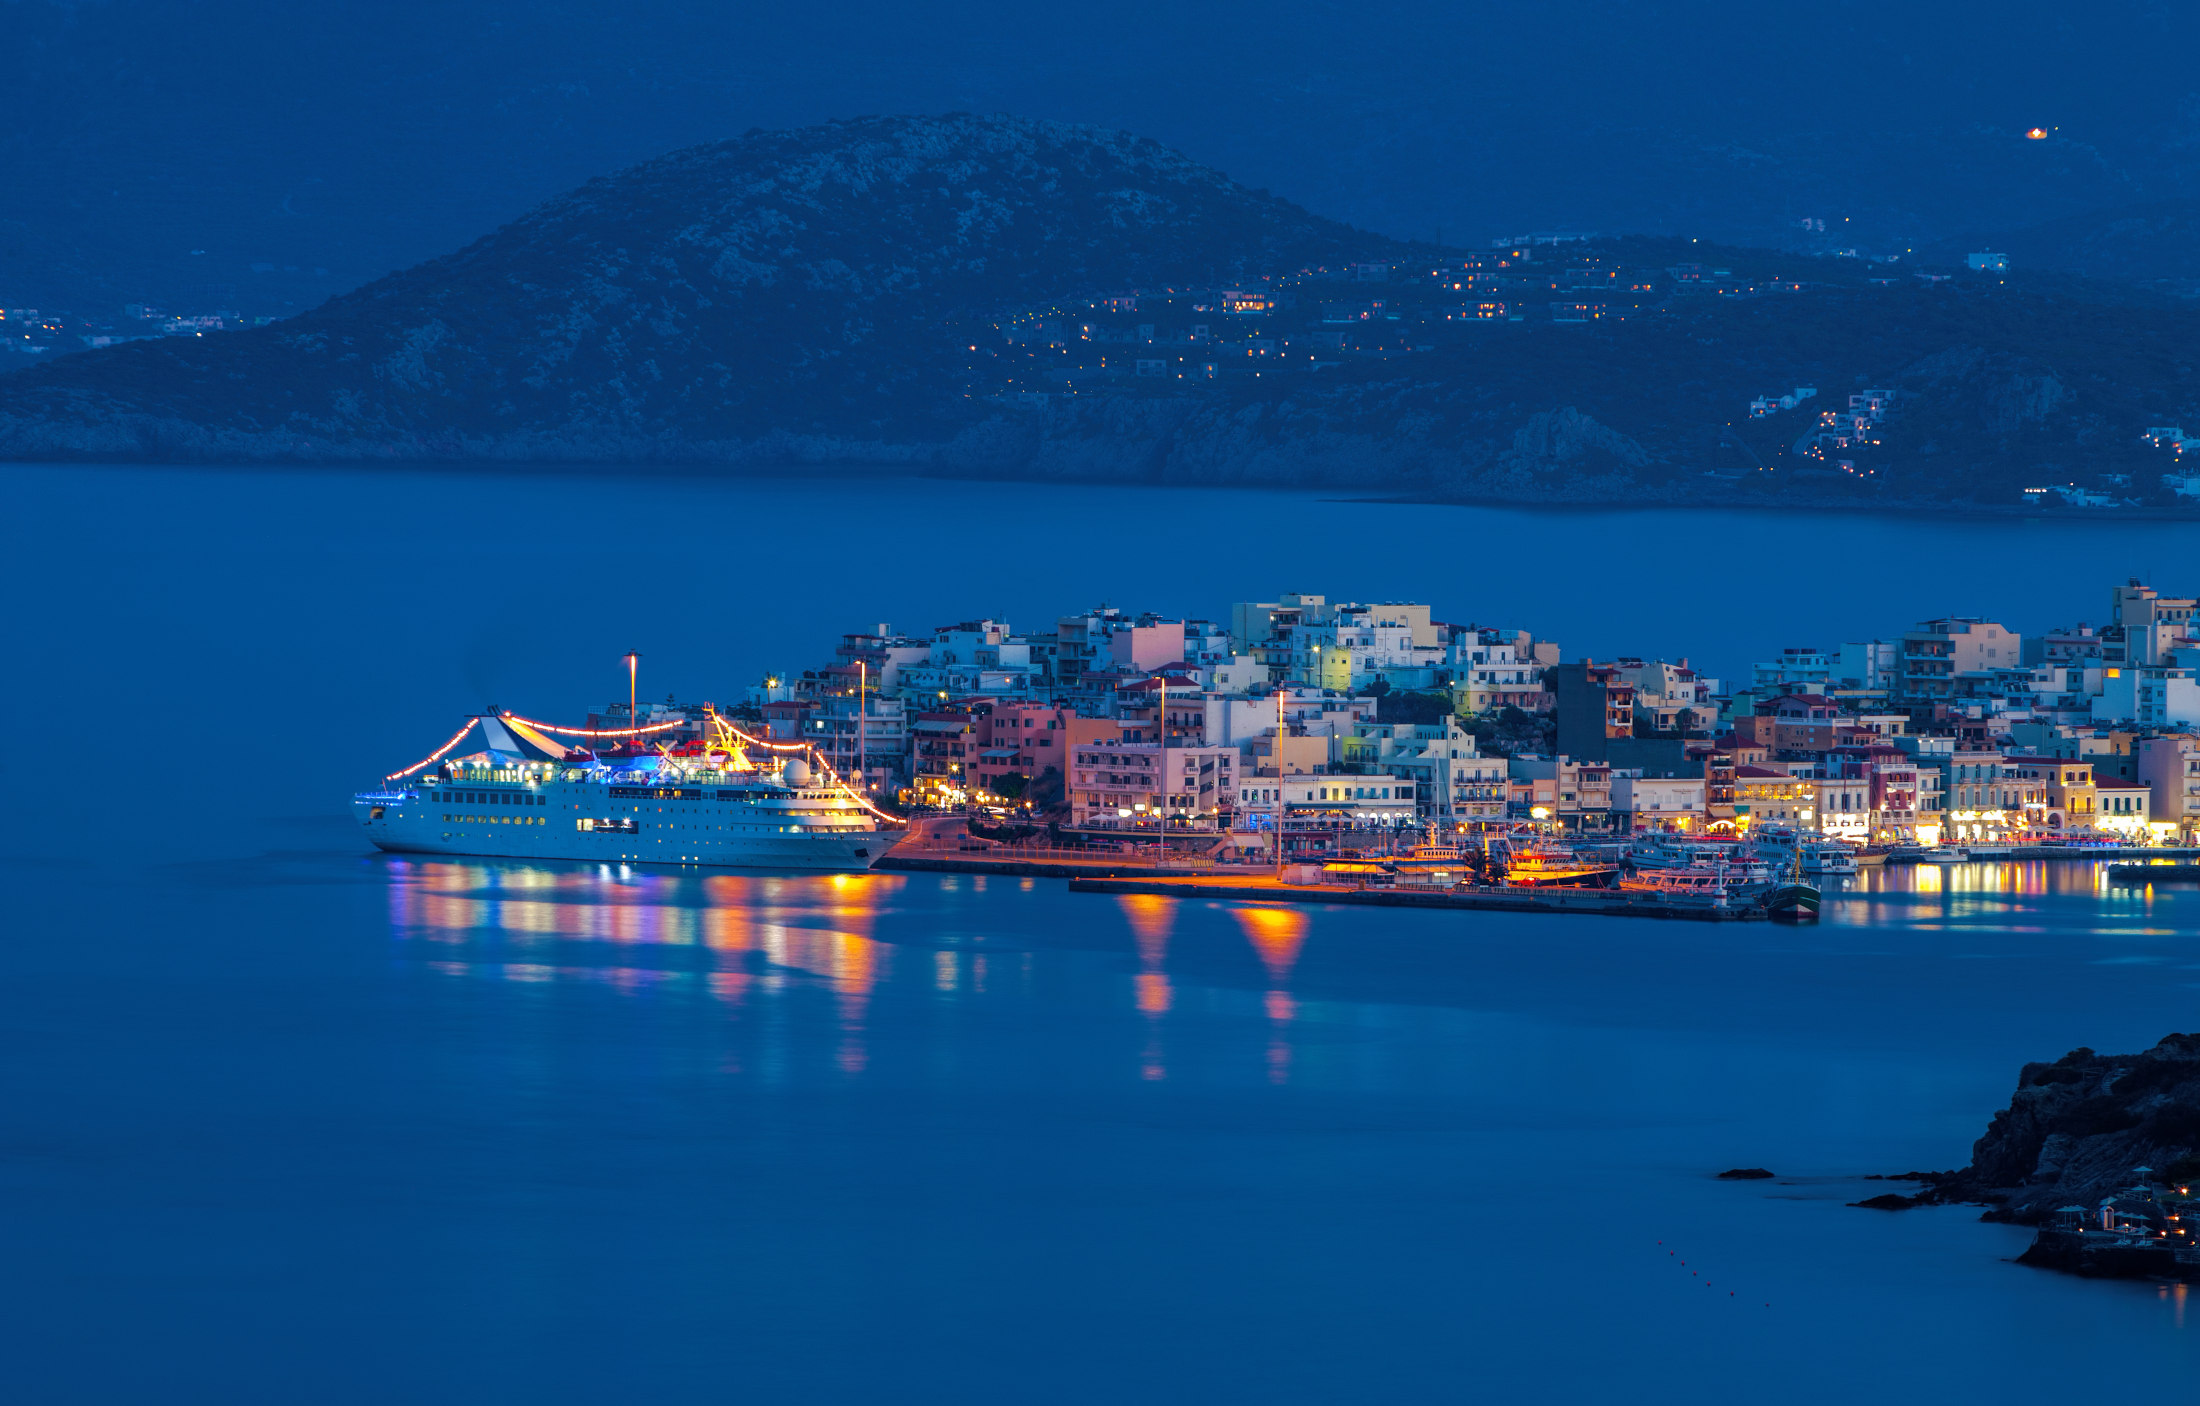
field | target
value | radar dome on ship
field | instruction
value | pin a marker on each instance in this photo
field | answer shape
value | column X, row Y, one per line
column 796, row 772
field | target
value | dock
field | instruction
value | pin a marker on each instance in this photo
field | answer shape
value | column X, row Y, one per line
column 1060, row 865
column 1241, row 888
column 2154, row 873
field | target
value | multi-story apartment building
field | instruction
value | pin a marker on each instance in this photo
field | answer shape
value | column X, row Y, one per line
column 1146, row 644
column 1081, row 643
column 1841, row 808
column 1765, row 795
column 1595, row 707
column 2152, row 696
column 1127, row 785
column 1581, row 793
column 2073, row 644
column 1235, row 719
column 1139, row 705
column 866, row 735
column 1021, row 738
column 2064, row 789
column 1808, row 723
column 1672, row 804
column 1937, row 651
column 2147, row 625
column 2170, row 768
column 1873, row 665
column 1806, row 666
column 1489, row 672
column 2125, row 810
column 1325, row 814
column 943, row 756
column 1355, row 647
column 1257, row 624
column 882, row 655
column 1453, row 784
column 1892, row 776
column 1667, row 695
column 1981, row 799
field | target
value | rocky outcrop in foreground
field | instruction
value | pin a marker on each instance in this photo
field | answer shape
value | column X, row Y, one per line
column 2101, row 1152
column 2080, row 1129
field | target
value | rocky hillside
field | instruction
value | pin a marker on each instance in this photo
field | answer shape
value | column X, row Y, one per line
column 792, row 291
column 993, row 297
column 2078, row 1129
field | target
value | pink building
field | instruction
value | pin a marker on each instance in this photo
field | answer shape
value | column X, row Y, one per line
column 1022, row 739
column 1147, row 645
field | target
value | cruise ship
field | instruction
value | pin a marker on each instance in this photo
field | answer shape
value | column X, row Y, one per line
column 731, row 800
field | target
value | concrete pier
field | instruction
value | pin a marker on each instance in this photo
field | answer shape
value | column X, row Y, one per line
column 1615, row 903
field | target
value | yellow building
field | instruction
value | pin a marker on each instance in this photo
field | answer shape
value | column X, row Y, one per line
column 2072, row 802
column 1764, row 796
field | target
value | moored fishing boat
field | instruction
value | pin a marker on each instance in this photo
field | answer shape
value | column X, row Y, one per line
column 1793, row 903
column 1532, row 862
column 1432, row 863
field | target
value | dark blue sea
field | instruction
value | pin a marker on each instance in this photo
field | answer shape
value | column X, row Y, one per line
column 283, row 1120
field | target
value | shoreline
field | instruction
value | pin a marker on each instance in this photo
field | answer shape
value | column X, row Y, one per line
column 914, row 468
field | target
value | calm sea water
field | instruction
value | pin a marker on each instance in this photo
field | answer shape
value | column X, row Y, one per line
column 282, row 1120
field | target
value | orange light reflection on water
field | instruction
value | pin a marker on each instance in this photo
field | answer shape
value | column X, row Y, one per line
column 1277, row 935
column 1152, row 918
column 817, row 926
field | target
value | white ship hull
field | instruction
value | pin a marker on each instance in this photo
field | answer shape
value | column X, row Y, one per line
column 567, row 815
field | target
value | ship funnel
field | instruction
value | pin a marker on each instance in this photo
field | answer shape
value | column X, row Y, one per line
column 796, row 772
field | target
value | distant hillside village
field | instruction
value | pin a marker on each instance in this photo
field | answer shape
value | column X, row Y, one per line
column 1175, row 341
column 1346, row 720
column 1323, row 317
column 27, row 332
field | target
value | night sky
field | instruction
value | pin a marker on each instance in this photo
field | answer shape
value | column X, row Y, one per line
column 353, row 138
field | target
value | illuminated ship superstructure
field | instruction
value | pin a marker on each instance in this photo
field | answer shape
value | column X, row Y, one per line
column 731, row 799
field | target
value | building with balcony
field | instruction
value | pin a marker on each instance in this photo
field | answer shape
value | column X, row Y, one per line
column 943, row 757
column 1130, row 786
column 1580, row 793
column 1670, row 804
column 1891, row 776
column 2124, row 810
column 1799, row 666
column 1453, row 785
column 1324, row 815
column 1764, row 795
column 1937, row 651
column 1021, row 738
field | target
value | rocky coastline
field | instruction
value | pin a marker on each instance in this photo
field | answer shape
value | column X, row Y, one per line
column 2100, row 1153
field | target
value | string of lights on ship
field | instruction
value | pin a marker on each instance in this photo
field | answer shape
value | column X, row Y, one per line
column 744, row 739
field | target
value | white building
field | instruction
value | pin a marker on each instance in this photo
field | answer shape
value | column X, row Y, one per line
column 1488, row 674
column 1453, row 784
column 1324, row 813
column 2149, row 696
column 1671, row 803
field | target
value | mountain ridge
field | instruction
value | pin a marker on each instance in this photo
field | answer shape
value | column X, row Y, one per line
column 940, row 293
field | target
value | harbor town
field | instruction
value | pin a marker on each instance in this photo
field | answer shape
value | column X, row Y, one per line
column 1305, row 730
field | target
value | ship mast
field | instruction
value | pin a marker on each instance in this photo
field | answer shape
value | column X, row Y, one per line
column 633, row 669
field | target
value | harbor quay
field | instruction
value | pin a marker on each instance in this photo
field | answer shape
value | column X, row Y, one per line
column 1256, row 888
